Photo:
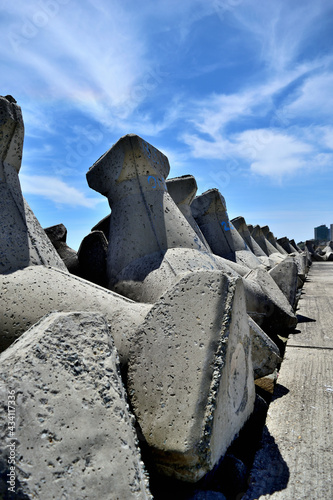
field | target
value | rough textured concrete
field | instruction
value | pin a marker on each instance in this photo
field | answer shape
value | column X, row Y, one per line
column 265, row 245
column 92, row 256
column 57, row 235
column 75, row 437
column 285, row 276
column 210, row 212
column 295, row 460
column 22, row 240
column 28, row 294
column 132, row 175
column 285, row 243
column 151, row 245
column 265, row 353
column 242, row 228
column 191, row 384
column 183, row 190
column 273, row 313
column 315, row 256
column 271, row 238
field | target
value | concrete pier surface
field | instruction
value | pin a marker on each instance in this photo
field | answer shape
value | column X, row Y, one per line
column 295, row 458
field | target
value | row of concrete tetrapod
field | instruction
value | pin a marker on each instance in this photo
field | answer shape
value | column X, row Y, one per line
column 186, row 302
column 319, row 253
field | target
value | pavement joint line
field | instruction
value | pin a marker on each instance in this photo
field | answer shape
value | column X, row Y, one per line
column 312, row 347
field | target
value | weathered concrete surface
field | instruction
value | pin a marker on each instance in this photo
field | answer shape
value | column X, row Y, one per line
column 28, row 294
column 285, row 276
column 210, row 212
column 191, row 383
column 183, row 190
column 58, row 235
column 22, row 240
column 271, row 238
column 75, row 436
column 315, row 256
column 273, row 254
column 265, row 353
column 295, row 461
column 242, row 228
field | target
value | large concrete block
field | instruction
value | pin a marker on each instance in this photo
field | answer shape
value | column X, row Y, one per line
column 271, row 238
column 28, row 294
column 132, row 175
column 258, row 235
column 285, row 276
column 265, row 353
column 57, row 235
column 241, row 226
column 267, row 304
column 210, row 212
column 22, row 240
column 74, row 434
column 191, row 382
column 183, row 190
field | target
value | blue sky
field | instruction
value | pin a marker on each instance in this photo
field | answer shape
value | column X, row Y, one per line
column 238, row 93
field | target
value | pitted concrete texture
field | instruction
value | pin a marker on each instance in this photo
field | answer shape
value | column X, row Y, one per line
column 271, row 238
column 28, row 294
column 210, row 212
column 58, row 235
column 275, row 313
column 285, row 243
column 295, row 458
column 74, row 434
column 144, row 219
column 272, row 252
column 265, row 353
column 183, row 190
column 22, row 240
column 191, row 383
column 242, row 228
column 285, row 276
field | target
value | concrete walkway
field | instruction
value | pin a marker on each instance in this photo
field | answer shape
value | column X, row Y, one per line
column 295, row 461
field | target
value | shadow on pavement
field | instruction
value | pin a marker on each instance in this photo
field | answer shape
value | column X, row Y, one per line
column 270, row 472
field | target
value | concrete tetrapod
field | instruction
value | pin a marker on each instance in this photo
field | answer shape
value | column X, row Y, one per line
column 300, row 259
column 191, row 383
column 285, row 275
column 271, row 238
column 74, row 435
column 28, row 294
column 57, row 235
column 183, row 190
column 210, row 212
column 152, row 244
column 241, row 226
column 22, row 240
column 274, row 255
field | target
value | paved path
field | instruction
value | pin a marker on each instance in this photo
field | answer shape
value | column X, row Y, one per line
column 295, row 461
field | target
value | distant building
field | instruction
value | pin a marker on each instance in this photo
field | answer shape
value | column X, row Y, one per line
column 331, row 235
column 322, row 233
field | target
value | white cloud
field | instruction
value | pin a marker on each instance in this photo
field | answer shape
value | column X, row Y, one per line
column 276, row 154
column 56, row 190
column 315, row 98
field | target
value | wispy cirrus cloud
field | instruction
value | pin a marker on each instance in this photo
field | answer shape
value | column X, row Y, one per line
column 56, row 190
